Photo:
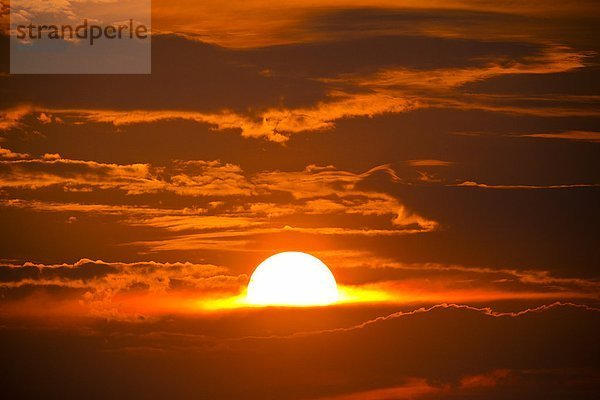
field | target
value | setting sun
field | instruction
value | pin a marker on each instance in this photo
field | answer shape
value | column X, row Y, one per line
column 292, row 279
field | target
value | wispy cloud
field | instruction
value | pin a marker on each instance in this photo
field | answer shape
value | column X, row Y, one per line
column 488, row 311
column 580, row 136
column 489, row 186
column 274, row 124
column 429, row 163
column 281, row 197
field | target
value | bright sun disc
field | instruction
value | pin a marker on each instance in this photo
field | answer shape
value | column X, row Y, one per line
column 293, row 279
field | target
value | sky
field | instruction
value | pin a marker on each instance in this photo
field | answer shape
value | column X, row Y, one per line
column 442, row 158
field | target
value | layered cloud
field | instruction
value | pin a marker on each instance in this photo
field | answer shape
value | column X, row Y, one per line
column 328, row 85
column 194, row 178
column 127, row 291
column 113, row 289
column 445, row 351
column 226, row 208
column 272, row 124
column 252, row 23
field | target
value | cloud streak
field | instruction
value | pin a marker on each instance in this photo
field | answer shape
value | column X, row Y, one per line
column 579, row 136
column 487, row 311
column 526, row 187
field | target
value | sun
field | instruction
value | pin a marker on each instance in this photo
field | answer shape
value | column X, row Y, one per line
column 292, row 278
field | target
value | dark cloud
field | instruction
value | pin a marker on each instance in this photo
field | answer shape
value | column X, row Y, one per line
column 550, row 353
column 186, row 75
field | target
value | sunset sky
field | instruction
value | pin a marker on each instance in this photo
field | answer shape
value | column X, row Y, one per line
column 442, row 158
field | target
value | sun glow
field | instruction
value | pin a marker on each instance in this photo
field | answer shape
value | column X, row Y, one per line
column 292, row 279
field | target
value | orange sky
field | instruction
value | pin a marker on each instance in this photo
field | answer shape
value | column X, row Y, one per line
column 440, row 157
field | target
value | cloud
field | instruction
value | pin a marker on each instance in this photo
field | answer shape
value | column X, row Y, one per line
column 198, row 223
column 355, row 88
column 245, row 240
column 315, row 180
column 445, row 353
column 542, row 277
column 11, row 118
column 197, row 178
column 343, row 105
column 249, row 206
column 389, row 90
column 371, row 82
column 488, row 380
column 98, row 209
column 257, row 25
column 436, row 282
column 11, row 155
column 37, row 173
column 118, row 275
column 552, row 59
column 564, row 186
column 429, row 163
column 436, row 87
column 486, row 311
column 274, row 124
column 315, row 190
column 201, row 178
column 548, row 105
column 478, row 386
column 416, row 388
column 413, row 388
column 116, row 289
column 581, row 136
column 121, row 289
column 124, row 290
column 209, row 178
